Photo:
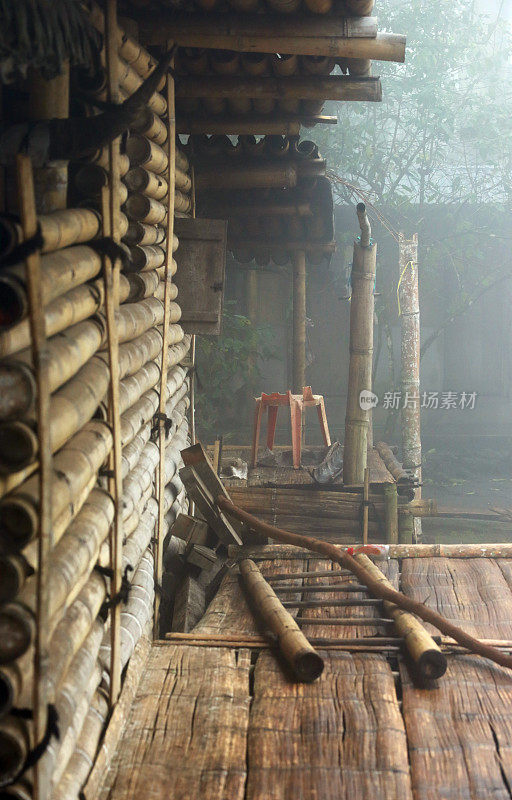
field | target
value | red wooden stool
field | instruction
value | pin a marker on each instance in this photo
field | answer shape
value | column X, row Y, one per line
column 296, row 402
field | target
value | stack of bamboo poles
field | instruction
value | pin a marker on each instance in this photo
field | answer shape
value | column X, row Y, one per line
column 273, row 192
column 79, row 375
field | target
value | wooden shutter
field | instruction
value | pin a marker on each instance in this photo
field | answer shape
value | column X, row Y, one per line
column 201, row 258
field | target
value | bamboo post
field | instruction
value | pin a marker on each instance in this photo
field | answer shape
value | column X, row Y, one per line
column 405, row 528
column 305, row 662
column 357, row 417
column 111, row 211
column 38, row 340
column 299, row 322
column 171, row 168
column 409, row 310
column 366, row 499
column 391, row 513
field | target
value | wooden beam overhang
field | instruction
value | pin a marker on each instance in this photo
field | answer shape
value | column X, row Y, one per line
column 335, row 37
column 301, row 87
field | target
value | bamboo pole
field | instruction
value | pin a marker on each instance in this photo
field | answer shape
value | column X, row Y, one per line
column 338, row 38
column 299, row 322
column 302, row 87
column 171, row 161
column 376, row 587
column 391, row 513
column 357, row 418
column 366, row 499
column 111, row 209
column 247, row 124
column 410, row 359
column 426, row 654
column 40, row 696
column 306, row 664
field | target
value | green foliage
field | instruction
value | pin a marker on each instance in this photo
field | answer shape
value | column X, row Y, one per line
column 228, row 373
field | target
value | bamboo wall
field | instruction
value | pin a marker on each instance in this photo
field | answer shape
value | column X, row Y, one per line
column 88, row 632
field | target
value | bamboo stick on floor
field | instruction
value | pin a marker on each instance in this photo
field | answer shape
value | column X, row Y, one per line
column 300, row 655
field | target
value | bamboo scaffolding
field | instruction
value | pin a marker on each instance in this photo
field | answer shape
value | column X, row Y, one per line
column 72, row 470
column 376, row 587
column 303, row 87
column 357, row 420
column 300, row 655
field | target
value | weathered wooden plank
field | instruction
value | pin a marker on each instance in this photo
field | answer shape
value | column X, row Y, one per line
column 186, row 736
column 459, row 732
column 472, row 593
column 339, row 738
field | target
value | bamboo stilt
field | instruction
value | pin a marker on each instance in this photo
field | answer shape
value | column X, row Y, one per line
column 357, row 419
column 300, row 655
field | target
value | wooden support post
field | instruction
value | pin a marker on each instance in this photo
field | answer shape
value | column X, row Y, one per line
column 357, row 418
column 40, row 364
column 391, row 513
column 305, row 662
column 299, row 322
column 408, row 295
column 171, row 155
column 111, row 211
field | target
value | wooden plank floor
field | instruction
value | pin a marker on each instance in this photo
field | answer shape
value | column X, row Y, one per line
column 203, row 726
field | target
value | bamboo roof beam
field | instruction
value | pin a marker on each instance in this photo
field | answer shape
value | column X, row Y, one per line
column 307, row 36
column 282, row 244
column 247, row 124
column 302, row 87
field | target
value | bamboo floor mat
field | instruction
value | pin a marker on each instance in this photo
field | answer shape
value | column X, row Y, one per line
column 222, row 723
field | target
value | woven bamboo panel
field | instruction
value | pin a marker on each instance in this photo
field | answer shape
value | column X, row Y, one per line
column 472, row 593
column 363, row 612
column 460, row 732
column 228, row 612
column 186, row 734
column 340, row 738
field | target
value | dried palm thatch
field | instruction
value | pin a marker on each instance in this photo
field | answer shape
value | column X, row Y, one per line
column 44, row 35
